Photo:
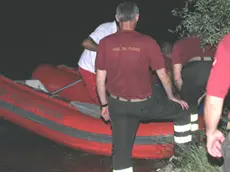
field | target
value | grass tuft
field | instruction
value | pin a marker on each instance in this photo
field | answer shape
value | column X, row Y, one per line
column 197, row 160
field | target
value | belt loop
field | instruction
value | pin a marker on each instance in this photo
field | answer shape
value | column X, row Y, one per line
column 202, row 58
column 117, row 97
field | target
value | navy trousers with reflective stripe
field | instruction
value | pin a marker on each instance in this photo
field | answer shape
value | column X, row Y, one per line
column 126, row 116
column 195, row 76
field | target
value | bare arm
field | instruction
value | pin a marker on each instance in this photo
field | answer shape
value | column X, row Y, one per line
column 177, row 76
column 174, row 90
column 89, row 44
column 101, row 88
column 212, row 113
column 166, row 81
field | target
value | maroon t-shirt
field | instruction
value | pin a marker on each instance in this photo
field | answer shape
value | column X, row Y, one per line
column 219, row 79
column 187, row 48
column 127, row 56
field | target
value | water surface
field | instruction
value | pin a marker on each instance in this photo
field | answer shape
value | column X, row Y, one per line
column 23, row 151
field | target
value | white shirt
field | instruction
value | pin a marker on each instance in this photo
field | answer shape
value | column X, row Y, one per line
column 87, row 59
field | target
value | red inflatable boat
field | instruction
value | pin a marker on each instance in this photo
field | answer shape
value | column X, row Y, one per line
column 52, row 107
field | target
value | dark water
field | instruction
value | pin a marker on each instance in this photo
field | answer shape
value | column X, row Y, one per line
column 23, row 151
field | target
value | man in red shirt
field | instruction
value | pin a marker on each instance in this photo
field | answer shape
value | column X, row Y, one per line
column 122, row 64
column 191, row 68
column 217, row 89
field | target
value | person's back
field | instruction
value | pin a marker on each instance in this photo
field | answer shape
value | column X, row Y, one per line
column 188, row 53
column 189, row 47
column 128, row 69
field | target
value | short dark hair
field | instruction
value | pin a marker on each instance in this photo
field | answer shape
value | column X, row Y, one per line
column 166, row 48
column 127, row 11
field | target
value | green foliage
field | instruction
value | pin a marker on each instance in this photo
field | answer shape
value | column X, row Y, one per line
column 210, row 19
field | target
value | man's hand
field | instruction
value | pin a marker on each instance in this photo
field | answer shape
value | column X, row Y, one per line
column 166, row 81
column 214, row 142
column 105, row 113
column 183, row 104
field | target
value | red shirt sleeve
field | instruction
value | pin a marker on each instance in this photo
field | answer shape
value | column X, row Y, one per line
column 219, row 79
column 154, row 55
column 100, row 62
column 176, row 54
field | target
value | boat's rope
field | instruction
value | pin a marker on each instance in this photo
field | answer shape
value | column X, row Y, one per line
column 63, row 88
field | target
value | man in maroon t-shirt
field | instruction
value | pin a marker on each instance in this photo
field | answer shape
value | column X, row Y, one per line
column 217, row 89
column 122, row 64
column 191, row 68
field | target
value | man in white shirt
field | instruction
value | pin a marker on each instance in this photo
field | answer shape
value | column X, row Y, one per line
column 86, row 64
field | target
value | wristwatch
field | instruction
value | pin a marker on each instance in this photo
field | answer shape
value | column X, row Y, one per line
column 104, row 105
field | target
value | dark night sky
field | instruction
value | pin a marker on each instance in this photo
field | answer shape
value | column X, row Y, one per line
column 35, row 33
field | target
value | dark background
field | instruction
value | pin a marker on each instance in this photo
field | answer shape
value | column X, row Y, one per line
column 33, row 33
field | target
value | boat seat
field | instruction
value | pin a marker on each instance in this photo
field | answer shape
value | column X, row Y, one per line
column 87, row 108
column 36, row 84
